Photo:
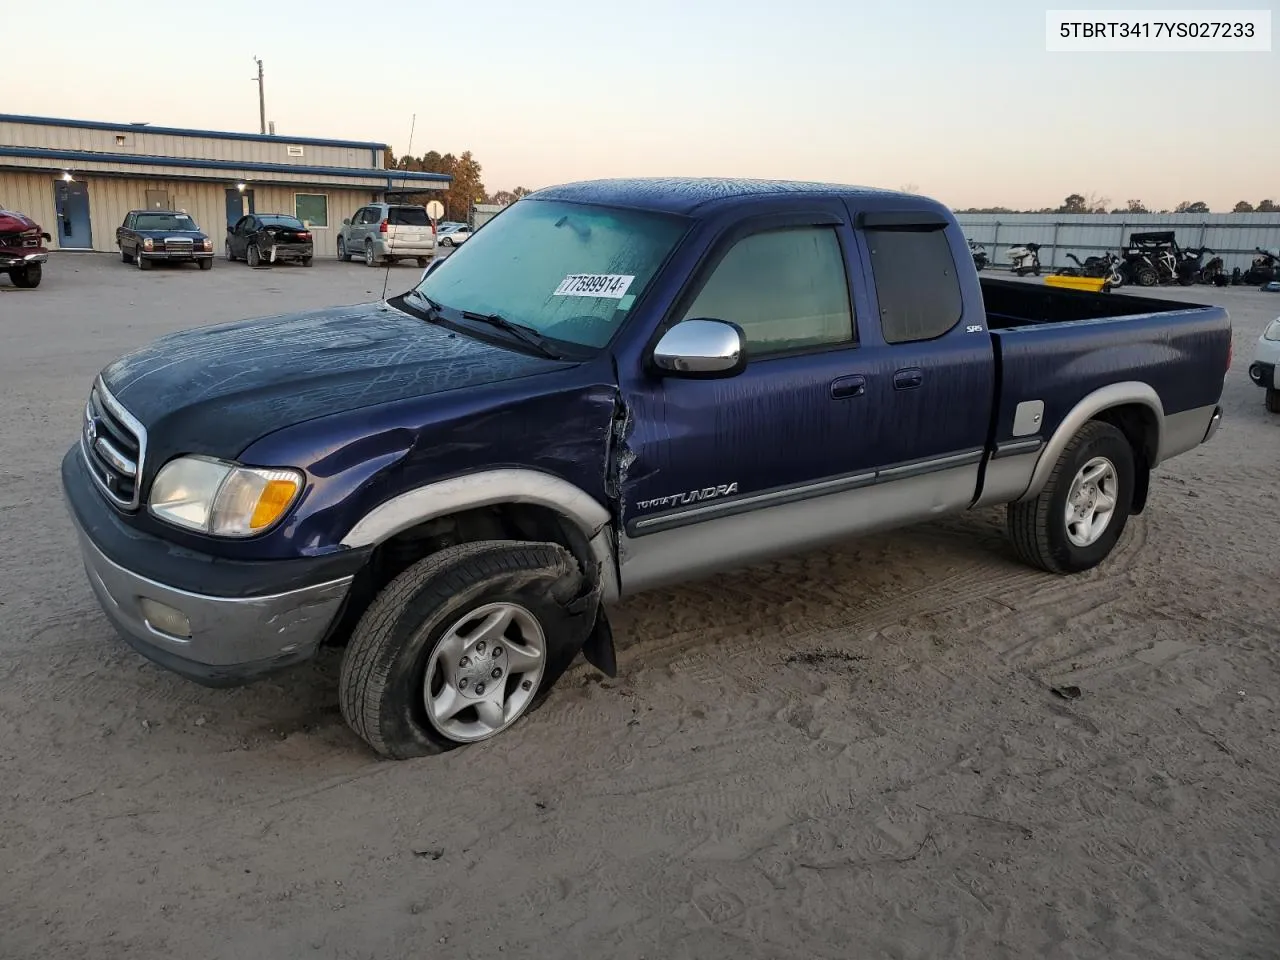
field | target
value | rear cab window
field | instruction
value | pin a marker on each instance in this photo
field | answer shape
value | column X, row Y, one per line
column 915, row 277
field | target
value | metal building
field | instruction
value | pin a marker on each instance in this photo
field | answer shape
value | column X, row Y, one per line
column 78, row 178
column 1234, row 236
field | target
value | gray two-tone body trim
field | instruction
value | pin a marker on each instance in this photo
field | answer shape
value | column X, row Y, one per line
column 780, row 496
column 490, row 488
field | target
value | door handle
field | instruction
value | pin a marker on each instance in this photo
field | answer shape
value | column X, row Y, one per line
column 908, row 379
column 848, row 387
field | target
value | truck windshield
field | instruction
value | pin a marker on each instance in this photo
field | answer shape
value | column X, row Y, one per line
column 165, row 221
column 569, row 271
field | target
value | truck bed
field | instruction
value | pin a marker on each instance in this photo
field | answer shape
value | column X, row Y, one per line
column 1059, row 346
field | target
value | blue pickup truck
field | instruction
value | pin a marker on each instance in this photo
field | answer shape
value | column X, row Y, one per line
column 613, row 386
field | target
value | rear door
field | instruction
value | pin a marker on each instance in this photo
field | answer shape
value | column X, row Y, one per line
column 929, row 361
column 409, row 224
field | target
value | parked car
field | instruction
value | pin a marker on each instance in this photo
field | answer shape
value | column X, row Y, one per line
column 165, row 235
column 22, row 249
column 269, row 238
column 387, row 232
column 1263, row 369
column 626, row 384
column 454, row 236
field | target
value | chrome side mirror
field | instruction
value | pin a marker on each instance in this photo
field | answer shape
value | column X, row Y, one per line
column 701, row 348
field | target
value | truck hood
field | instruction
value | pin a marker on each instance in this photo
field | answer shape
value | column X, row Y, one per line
column 13, row 225
column 216, row 389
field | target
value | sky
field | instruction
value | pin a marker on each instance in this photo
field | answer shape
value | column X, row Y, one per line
column 960, row 101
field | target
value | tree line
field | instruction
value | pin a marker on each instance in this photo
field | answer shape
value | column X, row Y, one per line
column 1079, row 203
column 466, row 188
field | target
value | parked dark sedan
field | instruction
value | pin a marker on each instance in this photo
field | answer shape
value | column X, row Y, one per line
column 150, row 235
column 269, row 238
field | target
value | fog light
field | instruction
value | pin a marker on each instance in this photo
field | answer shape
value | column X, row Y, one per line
column 165, row 619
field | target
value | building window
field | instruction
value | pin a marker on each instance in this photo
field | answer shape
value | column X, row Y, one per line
column 312, row 208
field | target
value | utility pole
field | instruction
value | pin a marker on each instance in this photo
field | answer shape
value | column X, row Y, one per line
column 262, row 99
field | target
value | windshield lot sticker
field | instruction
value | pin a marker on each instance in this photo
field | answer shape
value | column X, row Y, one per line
column 611, row 285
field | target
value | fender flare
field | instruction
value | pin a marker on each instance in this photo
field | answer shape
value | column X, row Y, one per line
column 490, row 488
column 1104, row 398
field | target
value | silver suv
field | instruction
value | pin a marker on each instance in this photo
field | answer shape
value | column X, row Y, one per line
column 387, row 232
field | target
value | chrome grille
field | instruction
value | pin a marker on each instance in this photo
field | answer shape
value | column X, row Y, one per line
column 113, row 443
column 178, row 244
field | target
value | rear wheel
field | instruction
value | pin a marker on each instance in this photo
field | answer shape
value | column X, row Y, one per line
column 370, row 260
column 1078, row 517
column 27, row 277
column 1273, row 400
column 447, row 242
column 1147, row 277
column 460, row 646
column 422, row 262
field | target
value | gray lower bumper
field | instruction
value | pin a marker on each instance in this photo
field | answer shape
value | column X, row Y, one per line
column 228, row 640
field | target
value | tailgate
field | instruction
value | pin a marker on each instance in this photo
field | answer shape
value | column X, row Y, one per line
column 410, row 224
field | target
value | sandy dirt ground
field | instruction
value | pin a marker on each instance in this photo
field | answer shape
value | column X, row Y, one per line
column 848, row 754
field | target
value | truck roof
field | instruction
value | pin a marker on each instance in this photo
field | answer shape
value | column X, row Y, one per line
column 688, row 195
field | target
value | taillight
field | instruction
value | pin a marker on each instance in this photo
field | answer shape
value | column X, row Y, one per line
column 382, row 227
column 304, row 235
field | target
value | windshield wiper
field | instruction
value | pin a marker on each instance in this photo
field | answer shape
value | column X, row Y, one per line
column 524, row 334
column 432, row 312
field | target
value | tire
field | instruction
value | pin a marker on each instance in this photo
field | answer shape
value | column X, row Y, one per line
column 369, row 259
column 206, row 263
column 306, row 261
column 226, row 251
column 1036, row 271
column 28, row 277
column 384, row 687
column 142, row 262
column 446, row 242
column 124, row 257
column 1273, row 400
column 253, row 256
column 422, row 262
column 343, row 255
column 1147, row 277
column 1038, row 528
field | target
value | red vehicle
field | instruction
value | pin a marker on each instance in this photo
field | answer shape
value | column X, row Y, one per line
column 22, row 249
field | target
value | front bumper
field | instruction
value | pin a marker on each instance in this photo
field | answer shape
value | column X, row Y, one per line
column 214, row 640
column 1263, row 374
column 23, row 259
column 175, row 254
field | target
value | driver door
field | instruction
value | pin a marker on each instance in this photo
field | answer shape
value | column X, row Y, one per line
column 715, row 459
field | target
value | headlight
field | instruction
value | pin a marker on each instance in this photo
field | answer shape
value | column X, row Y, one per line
column 208, row 243
column 148, row 243
column 1273, row 330
column 224, row 499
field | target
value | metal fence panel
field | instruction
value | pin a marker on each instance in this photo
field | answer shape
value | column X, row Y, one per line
column 1233, row 236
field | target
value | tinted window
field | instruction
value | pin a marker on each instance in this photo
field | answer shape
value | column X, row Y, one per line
column 916, row 283
column 409, row 217
column 281, row 220
column 787, row 289
column 370, row 215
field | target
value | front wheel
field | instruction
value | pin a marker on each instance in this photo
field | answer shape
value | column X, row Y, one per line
column 142, row 262
column 1272, row 401
column 1147, row 277
column 28, row 277
column 306, row 261
column 206, row 263
column 461, row 645
column 1078, row 517
column 253, row 256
